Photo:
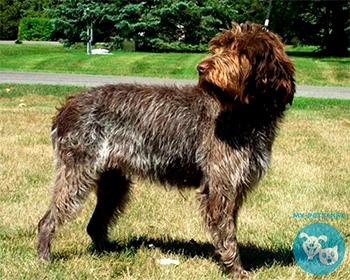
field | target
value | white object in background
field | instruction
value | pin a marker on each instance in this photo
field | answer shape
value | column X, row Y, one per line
column 168, row 261
column 100, row 51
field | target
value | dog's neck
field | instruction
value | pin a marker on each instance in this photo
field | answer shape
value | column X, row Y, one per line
column 243, row 125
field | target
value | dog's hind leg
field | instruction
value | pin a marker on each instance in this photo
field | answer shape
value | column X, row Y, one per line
column 112, row 197
column 71, row 188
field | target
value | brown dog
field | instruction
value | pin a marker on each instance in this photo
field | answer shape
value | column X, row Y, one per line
column 216, row 136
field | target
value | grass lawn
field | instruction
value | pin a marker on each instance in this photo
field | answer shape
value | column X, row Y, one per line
column 310, row 69
column 310, row 173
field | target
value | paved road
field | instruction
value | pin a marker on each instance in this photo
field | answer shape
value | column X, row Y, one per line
column 96, row 80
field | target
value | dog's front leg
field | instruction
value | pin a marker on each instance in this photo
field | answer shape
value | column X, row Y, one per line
column 219, row 206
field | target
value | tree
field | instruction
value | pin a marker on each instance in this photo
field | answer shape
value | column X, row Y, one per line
column 37, row 8
column 10, row 14
column 187, row 25
column 320, row 23
column 12, row 11
column 72, row 17
column 337, row 36
column 176, row 25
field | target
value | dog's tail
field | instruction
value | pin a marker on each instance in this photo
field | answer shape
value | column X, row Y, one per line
column 66, row 119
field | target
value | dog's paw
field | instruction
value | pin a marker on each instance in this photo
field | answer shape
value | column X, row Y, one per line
column 240, row 273
column 104, row 246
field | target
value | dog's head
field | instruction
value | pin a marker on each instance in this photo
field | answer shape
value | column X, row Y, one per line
column 246, row 63
column 311, row 245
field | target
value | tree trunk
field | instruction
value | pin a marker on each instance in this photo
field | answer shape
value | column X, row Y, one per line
column 337, row 40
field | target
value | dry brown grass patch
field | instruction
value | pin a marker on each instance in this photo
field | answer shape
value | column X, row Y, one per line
column 310, row 173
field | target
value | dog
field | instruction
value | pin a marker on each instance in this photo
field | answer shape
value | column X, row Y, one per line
column 216, row 136
column 311, row 245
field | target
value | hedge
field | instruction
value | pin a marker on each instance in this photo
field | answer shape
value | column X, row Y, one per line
column 35, row 29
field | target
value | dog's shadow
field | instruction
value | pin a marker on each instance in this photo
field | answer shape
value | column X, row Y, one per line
column 252, row 257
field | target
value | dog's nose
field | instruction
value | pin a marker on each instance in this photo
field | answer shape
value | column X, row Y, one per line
column 201, row 67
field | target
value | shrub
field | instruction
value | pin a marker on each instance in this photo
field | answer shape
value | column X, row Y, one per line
column 159, row 45
column 35, row 29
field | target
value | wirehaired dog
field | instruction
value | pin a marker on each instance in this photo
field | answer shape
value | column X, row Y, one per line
column 216, row 136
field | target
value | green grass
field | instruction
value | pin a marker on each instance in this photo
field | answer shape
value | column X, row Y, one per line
column 310, row 173
column 310, row 69
column 58, row 59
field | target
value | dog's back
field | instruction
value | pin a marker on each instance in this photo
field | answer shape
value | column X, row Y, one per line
column 149, row 131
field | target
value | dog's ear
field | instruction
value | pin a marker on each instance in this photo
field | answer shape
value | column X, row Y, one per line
column 303, row 234
column 280, row 77
column 271, row 70
column 323, row 237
